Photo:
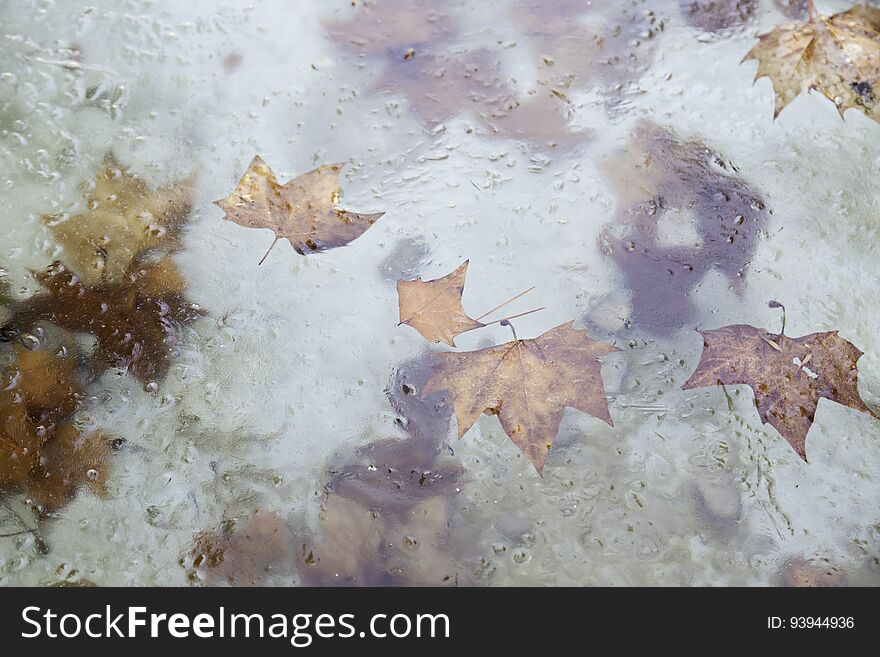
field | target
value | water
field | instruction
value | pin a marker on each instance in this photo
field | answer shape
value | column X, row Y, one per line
column 285, row 444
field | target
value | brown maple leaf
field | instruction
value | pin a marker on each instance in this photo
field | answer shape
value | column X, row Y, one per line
column 433, row 308
column 125, row 218
column 527, row 384
column 135, row 320
column 787, row 375
column 40, row 389
column 838, row 56
column 41, row 451
column 303, row 210
column 67, row 462
column 19, row 446
column 45, row 383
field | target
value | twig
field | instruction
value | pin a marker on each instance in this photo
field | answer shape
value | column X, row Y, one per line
column 40, row 544
column 505, row 321
column 18, row 533
column 512, row 299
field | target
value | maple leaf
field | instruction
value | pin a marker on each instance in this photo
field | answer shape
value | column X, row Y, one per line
column 125, row 218
column 434, row 309
column 527, row 384
column 386, row 517
column 67, row 462
column 44, row 383
column 787, row 375
column 812, row 573
column 135, row 320
column 838, row 56
column 19, row 446
column 41, row 451
column 303, row 210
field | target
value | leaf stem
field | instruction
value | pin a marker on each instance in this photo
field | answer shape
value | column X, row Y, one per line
column 272, row 246
column 504, row 304
column 811, row 9
column 40, row 544
column 505, row 322
column 776, row 304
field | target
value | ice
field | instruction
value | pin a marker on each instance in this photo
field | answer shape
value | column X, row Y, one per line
column 289, row 389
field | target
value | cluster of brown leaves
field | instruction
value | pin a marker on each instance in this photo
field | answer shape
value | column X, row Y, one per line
column 118, row 284
column 42, row 452
column 117, row 281
column 838, row 56
column 526, row 383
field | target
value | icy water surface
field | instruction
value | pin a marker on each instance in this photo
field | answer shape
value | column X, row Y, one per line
column 613, row 154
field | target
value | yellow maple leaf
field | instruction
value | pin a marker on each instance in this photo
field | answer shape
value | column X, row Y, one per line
column 838, row 55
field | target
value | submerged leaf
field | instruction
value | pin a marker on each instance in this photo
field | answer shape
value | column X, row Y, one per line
column 125, row 218
column 135, row 319
column 787, row 375
column 19, row 446
column 41, row 451
column 527, row 384
column 244, row 556
column 303, row 210
column 838, row 55
column 70, row 460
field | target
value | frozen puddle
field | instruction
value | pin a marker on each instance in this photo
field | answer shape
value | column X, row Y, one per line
column 270, row 428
